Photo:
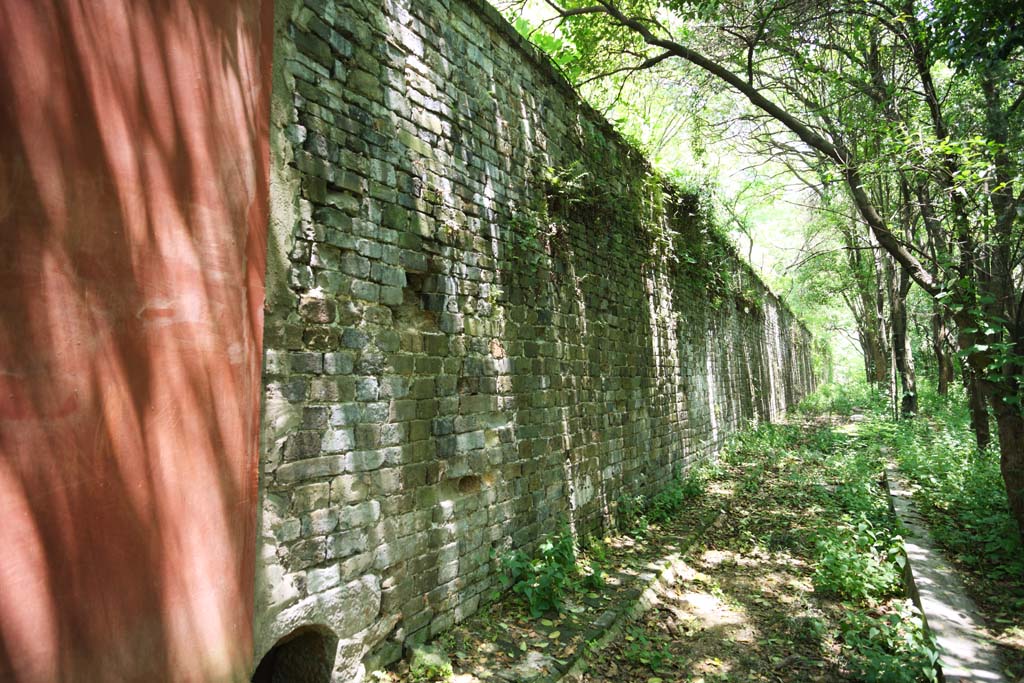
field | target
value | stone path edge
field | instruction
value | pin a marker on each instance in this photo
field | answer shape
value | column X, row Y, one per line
column 619, row 617
column 965, row 655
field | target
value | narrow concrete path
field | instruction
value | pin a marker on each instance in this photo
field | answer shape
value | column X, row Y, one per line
column 965, row 655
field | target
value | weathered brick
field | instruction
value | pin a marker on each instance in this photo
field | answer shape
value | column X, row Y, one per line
column 319, row 523
column 311, row 497
column 338, row 363
column 367, row 389
column 360, row 515
column 354, row 339
column 367, row 291
column 302, row 445
column 337, row 441
column 362, row 461
column 304, row 470
column 323, row 578
column 346, row 544
column 348, row 489
column 355, row 265
column 306, row 363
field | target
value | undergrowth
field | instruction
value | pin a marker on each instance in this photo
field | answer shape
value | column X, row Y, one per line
column 559, row 567
column 637, row 513
column 859, row 556
column 890, row 647
column 855, row 549
column 844, row 400
column 811, row 491
column 961, row 494
column 958, row 489
column 544, row 579
column 961, row 491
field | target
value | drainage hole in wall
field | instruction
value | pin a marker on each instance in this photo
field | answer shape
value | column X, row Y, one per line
column 306, row 655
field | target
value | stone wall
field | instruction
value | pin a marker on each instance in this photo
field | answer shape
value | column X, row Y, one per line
column 484, row 316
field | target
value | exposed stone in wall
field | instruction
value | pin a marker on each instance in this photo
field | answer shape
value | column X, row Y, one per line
column 483, row 318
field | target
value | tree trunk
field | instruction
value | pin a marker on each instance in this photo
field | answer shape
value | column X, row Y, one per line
column 884, row 371
column 884, row 288
column 902, row 351
column 977, row 408
column 1011, row 457
column 864, row 309
column 867, row 353
column 1005, row 204
column 943, row 360
column 875, row 360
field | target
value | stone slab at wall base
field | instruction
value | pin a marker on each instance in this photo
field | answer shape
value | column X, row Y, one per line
column 485, row 318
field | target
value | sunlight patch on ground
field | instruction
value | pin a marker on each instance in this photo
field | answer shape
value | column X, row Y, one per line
column 712, row 612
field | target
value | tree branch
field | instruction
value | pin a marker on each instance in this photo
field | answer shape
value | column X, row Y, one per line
column 836, row 152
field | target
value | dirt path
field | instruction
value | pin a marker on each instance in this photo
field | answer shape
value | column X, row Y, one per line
column 745, row 609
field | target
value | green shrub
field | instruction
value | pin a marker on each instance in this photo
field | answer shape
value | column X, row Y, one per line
column 665, row 504
column 843, row 399
column 631, row 513
column 889, row 648
column 594, row 579
column 643, row 648
column 595, row 550
column 429, row 664
column 636, row 513
column 858, row 561
column 544, row 579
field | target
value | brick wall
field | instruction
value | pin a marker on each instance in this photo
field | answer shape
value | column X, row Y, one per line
column 484, row 317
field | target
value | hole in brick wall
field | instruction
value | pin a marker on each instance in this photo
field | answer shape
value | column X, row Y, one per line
column 306, row 655
column 414, row 283
column 469, row 484
column 416, row 311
